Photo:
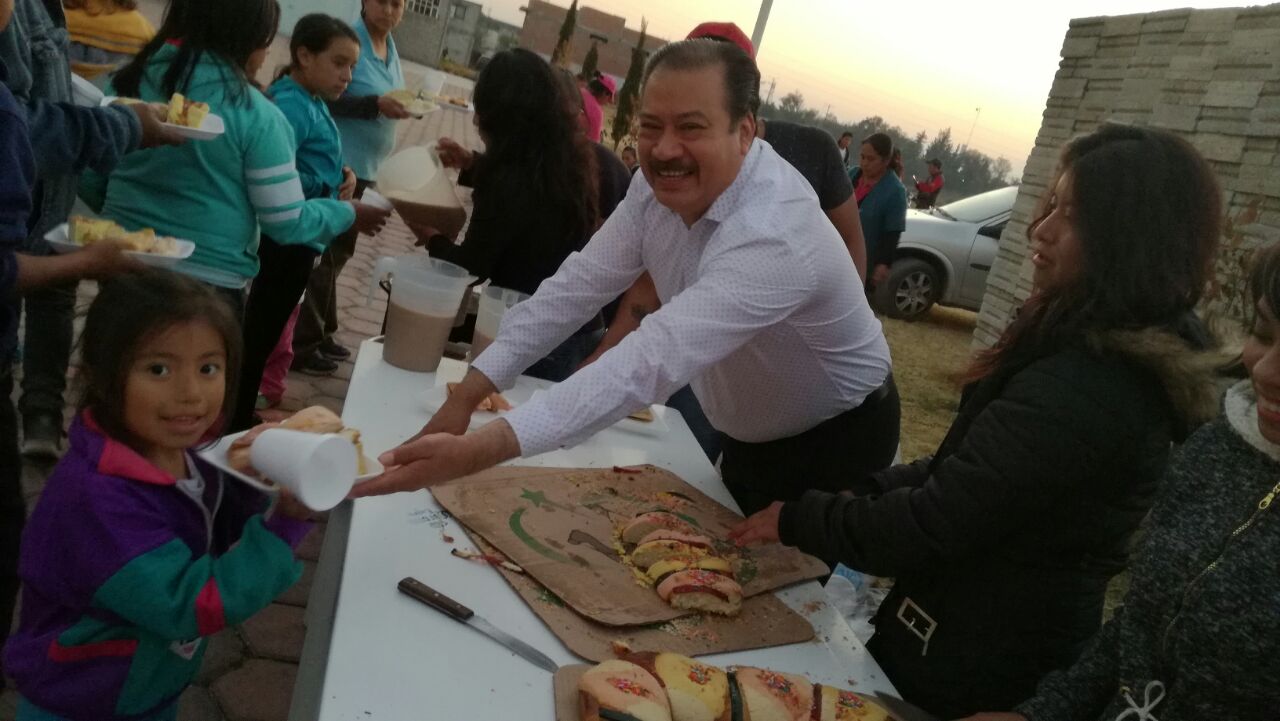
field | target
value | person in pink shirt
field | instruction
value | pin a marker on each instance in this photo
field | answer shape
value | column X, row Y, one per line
column 597, row 93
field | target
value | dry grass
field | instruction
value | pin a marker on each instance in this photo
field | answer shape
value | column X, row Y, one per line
column 927, row 357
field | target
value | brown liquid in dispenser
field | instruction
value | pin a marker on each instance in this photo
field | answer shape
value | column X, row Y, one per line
column 415, row 341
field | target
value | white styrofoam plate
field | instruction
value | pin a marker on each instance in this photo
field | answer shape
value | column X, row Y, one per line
column 85, row 93
column 211, row 127
column 217, row 455
column 60, row 240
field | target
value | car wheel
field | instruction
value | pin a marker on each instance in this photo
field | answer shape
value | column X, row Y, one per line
column 911, row 290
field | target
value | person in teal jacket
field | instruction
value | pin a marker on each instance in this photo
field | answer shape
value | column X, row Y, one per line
column 221, row 193
column 365, row 116
column 138, row 550
column 882, row 205
column 323, row 50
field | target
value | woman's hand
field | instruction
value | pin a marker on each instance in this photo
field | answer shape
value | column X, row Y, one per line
column 453, row 155
column 347, row 191
column 424, row 233
column 369, row 218
column 761, row 528
column 389, row 107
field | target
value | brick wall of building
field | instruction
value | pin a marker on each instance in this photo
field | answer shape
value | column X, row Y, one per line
column 541, row 31
column 1212, row 76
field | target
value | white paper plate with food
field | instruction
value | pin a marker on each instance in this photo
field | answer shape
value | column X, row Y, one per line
column 144, row 245
column 417, row 105
column 316, row 419
column 645, row 421
column 187, row 118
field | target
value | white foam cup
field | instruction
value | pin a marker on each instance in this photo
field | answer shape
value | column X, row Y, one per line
column 317, row 468
column 376, row 199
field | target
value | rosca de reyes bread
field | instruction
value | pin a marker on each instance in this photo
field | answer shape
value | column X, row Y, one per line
column 682, row 564
column 316, row 419
column 696, row 691
column 619, row 690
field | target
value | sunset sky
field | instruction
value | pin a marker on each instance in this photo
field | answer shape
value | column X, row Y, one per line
column 921, row 65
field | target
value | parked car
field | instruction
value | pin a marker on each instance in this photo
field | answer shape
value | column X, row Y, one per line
column 945, row 254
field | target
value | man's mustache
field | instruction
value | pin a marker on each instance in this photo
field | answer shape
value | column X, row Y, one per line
column 671, row 166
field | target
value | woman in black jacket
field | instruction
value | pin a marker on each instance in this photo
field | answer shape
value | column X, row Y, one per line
column 1003, row 542
column 535, row 200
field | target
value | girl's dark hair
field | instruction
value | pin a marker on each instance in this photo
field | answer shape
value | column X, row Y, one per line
column 533, row 142
column 881, row 143
column 231, row 30
column 1264, row 282
column 131, row 309
column 119, row 4
column 315, row 32
column 1147, row 212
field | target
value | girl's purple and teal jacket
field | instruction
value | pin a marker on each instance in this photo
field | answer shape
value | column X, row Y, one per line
column 126, row 570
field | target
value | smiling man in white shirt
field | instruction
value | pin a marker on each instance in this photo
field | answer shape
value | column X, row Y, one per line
column 763, row 313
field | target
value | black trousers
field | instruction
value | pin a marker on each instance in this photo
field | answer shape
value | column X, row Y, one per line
column 318, row 320
column 12, row 509
column 284, row 272
column 832, row 456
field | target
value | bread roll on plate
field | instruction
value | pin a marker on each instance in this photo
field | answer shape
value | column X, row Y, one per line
column 621, row 691
column 840, row 705
column 646, row 523
column 772, row 696
column 696, row 691
column 699, row 590
column 659, row 571
column 647, row 554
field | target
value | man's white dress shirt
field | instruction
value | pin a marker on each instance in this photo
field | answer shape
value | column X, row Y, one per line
column 762, row 313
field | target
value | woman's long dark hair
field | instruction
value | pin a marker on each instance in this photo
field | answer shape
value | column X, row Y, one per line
column 1147, row 213
column 533, row 142
column 129, row 310
column 315, row 32
column 231, row 30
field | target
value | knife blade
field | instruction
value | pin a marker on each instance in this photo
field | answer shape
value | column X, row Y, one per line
column 420, row 591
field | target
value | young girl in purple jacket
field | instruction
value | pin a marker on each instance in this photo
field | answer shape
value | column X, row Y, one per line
column 137, row 550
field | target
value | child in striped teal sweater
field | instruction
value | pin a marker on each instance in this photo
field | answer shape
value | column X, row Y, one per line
column 222, row 193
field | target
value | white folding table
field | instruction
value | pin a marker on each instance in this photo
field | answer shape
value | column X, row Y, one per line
column 373, row 653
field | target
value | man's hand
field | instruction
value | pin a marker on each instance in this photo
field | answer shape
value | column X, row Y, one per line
column 347, row 191
column 369, row 219
column 389, row 107
column 453, row 155
column 881, row 275
column 454, row 416
column 433, row 459
column 154, row 134
column 760, row 528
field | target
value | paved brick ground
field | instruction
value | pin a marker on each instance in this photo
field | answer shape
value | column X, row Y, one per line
column 249, row 670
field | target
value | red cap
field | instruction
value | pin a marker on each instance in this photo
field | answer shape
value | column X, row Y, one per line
column 608, row 82
column 725, row 31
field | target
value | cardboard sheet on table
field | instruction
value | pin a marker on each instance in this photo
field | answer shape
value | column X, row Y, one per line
column 558, row 524
column 764, row 622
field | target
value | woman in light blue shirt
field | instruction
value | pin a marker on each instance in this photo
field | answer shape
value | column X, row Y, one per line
column 366, row 118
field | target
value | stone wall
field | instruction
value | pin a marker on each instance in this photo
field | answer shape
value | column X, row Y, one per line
column 1212, row 76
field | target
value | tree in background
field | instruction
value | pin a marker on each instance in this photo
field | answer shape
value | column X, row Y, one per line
column 591, row 62
column 968, row 171
column 564, row 46
column 630, row 89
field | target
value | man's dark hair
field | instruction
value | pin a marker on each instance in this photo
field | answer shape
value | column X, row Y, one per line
column 741, row 77
column 846, row 134
column 935, row 163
